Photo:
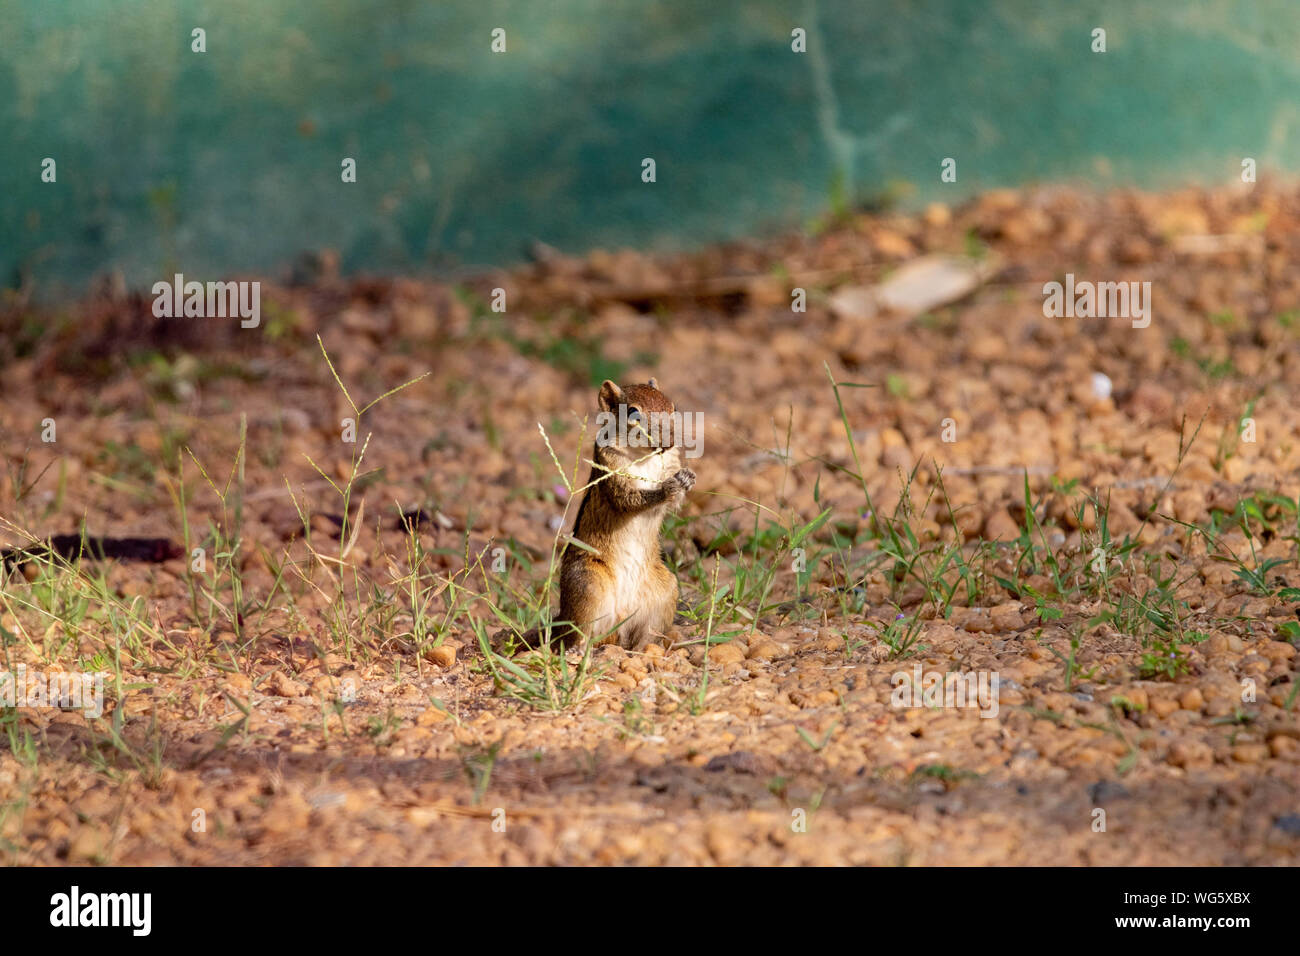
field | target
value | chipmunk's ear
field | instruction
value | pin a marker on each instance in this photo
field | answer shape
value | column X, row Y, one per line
column 652, row 383
column 611, row 396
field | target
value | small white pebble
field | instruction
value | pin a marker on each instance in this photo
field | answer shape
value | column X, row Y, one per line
column 1101, row 385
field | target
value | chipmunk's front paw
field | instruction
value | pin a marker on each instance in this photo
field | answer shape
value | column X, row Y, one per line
column 680, row 483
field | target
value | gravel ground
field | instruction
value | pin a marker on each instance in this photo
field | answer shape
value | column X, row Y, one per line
column 1100, row 517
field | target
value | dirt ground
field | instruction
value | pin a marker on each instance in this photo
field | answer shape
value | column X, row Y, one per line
column 1102, row 517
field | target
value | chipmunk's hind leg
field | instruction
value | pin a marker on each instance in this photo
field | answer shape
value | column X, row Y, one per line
column 587, row 602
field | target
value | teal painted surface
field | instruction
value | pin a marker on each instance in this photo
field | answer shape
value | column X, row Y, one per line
column 228, row 161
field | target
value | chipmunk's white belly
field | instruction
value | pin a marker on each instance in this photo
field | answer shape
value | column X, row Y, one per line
column 633, row 589
column 630, row 584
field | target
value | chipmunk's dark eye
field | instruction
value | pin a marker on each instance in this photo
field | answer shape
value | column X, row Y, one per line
column 633, row 414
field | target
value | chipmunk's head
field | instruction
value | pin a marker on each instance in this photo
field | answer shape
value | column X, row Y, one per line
column 641, row 416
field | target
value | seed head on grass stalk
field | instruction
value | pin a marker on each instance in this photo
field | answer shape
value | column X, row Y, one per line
column 346, row 491
column 351, row 525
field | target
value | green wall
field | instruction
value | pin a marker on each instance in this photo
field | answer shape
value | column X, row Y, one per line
column 229, row 161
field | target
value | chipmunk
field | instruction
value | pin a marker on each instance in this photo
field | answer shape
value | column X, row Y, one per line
column 620, row 590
